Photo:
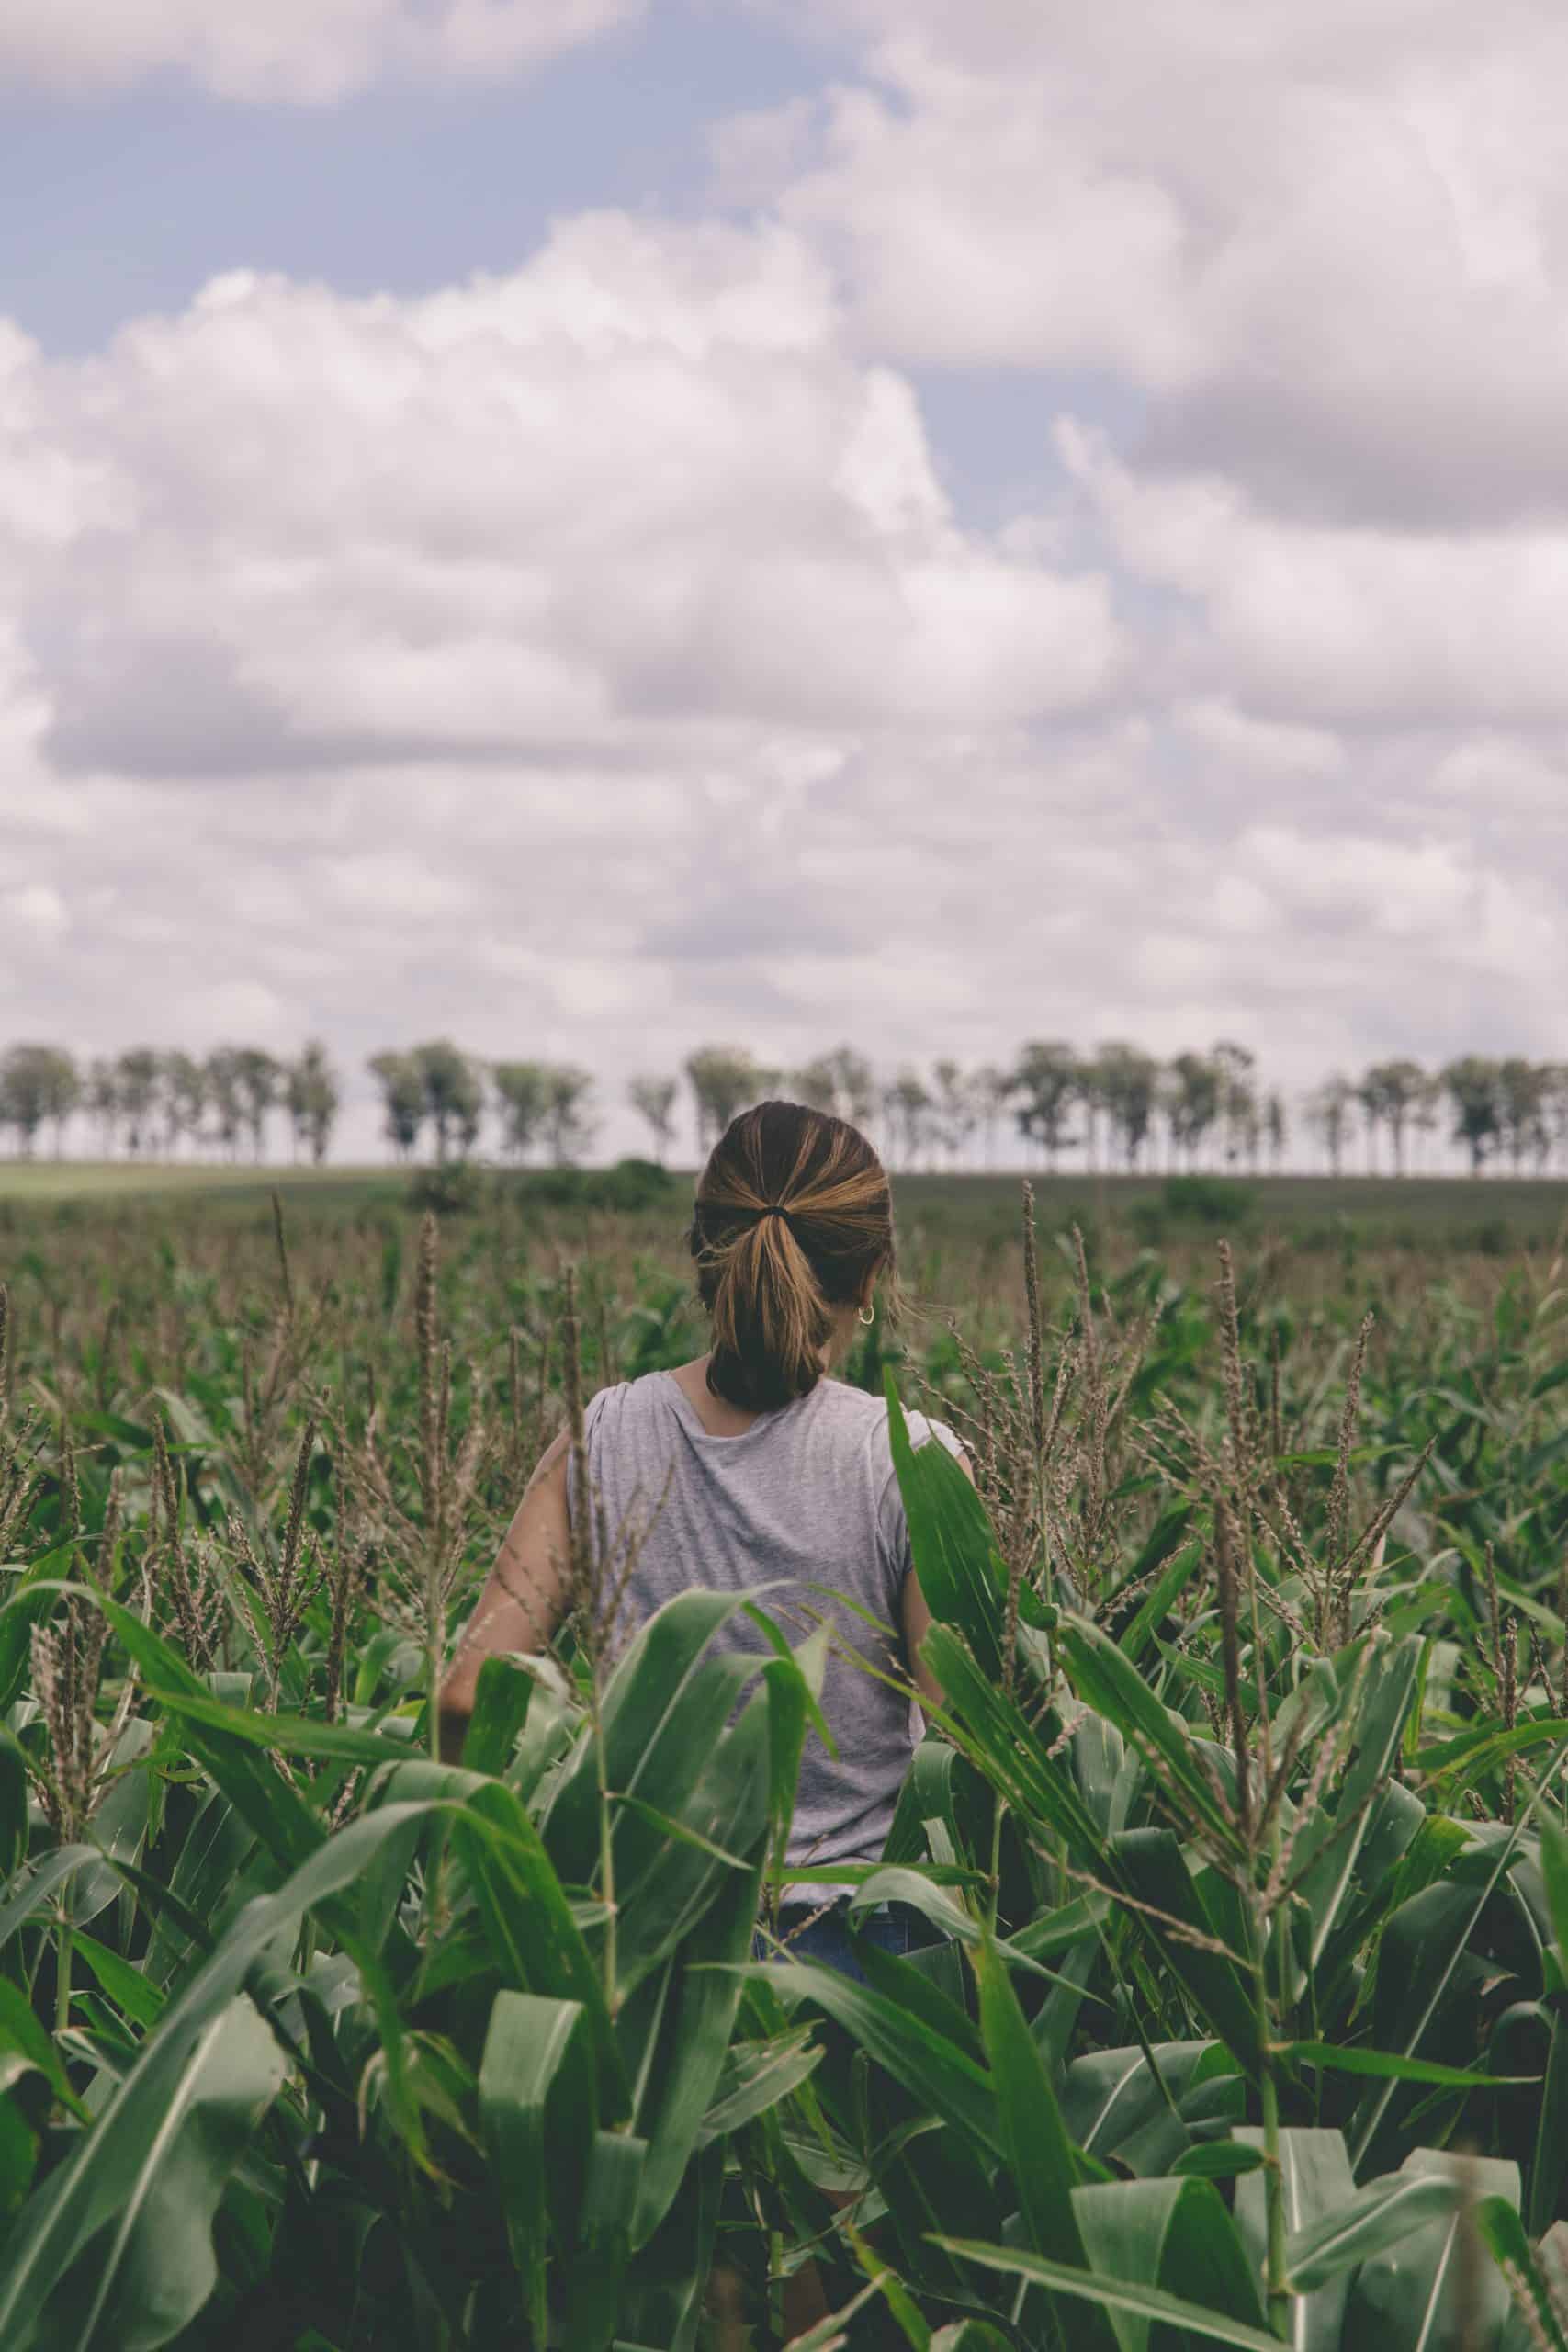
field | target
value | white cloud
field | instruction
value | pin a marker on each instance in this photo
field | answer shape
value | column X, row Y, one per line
column 36, row 908
column 307, row 52
column 595, row 658
column 1327, row 242
column 1274, row 750
column 1336, row 624
column 638, row 485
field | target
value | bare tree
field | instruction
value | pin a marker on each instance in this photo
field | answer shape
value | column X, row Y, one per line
column 1328, row 1112
column 454, row 1094
column 102, row 1100
column 1049, row 1081
column 653, row 1098
column 954, row 1109
column 524, row 1092
column 311, row 1094
column 993, row 1091
column 907, row 1106
column 135, row 1072
column 224, row 1094
column 183, row 1080
column 1474, row 1086
column 1523, row 1093
column 567, row 1121
column 37, row 1083
column 724, row 1079
column 1236, row 1066
column 1192, row 1101
column 259, row 1075
column 1127, row 1086
column 1275, row 1128
column 402, row 1082
column 1388, row 1094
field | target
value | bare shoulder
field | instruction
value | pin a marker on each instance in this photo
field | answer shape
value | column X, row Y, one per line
column 551, row 1463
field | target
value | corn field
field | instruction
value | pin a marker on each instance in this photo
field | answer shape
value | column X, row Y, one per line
column 1238, row 2013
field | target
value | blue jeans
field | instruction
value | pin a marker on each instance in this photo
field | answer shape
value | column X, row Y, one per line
column 827, row 1940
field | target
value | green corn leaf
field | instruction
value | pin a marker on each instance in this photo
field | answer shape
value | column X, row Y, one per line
column 1042, row 2159
column 685, row 2065
column 270, row 1804
column 1375, row 2218
column 722, row 1835
column 13, row 1804
column 24, row 2038
column 1111, row 2097
column 663, row 1711
column 1388, row 2067
column 1314, row 2181
column 29, row 1600
column 88, row 2189
column 526, row 1917
column 287, row 1735
column 1217, row 2160
column 535, row 2089
column 502, row 1700
column 1174, row 2236
column 1432, row 1960
column 994, row 1733
column 960, row 1570
column 39, row 1883
column 1422, row 2291
column 1151, row 1864
column 594, row 2287
column 1331, row 1845
column 1502, row 2234
column 933, row 2181
column 118, row 1828
column 127, row 1986
column 681, row 1833
column 1550, row 2164
column 1112, row 1684
column 932, row 2068
column 1117, row 2296
column 755, row 2077
column 1554, row 1871
column 145, row 2276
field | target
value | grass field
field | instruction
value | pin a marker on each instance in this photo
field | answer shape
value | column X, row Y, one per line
column 1445, row 1211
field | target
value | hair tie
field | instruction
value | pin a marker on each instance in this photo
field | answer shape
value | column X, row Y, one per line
column 775, row 1208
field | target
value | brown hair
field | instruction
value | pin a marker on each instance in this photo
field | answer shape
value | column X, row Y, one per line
column 793, row 1218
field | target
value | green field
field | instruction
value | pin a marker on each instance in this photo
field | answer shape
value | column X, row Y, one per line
column 1237, row 1852
column 42, row 1181
column 1415, row 1211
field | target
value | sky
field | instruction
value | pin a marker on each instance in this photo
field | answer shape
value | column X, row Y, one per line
column 593, row 529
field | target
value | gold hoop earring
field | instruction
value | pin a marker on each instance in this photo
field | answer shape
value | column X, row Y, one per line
column 867, row 1315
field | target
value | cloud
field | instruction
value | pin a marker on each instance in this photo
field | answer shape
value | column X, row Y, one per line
column 301, row 53
column 1327, row 243
column 640, row 486
column 1340, row 625
column 36, row 908
column 598, row 657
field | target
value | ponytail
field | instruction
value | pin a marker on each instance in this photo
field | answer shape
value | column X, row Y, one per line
column 793, row 1218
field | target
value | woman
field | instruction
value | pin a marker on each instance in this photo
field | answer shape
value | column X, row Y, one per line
column 751, row 1466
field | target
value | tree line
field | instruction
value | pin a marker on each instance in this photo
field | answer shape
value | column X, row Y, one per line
column 1120, row 1106
column 1117, row 1106
column 146, row 1102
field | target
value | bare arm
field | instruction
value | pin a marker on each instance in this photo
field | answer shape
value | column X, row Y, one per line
column 917, row 1617
column 523, row 1597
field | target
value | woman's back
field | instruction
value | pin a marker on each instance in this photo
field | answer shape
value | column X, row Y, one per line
column 803, row 1508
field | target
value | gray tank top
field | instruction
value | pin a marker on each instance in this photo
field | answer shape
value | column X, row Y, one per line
column 805, row 1497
